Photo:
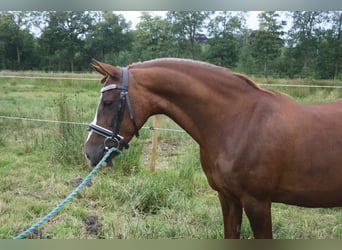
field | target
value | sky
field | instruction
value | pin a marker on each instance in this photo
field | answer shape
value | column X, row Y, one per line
column 133, row 16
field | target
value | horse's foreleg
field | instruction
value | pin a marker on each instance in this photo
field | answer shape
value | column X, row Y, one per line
column 259, row 215
column 232, row 217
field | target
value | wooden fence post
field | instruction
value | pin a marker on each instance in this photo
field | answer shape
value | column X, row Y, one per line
column 154, row 143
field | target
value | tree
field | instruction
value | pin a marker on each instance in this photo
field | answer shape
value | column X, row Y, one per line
column 16, row 42
column 266, row 42
column 185, row 26
column 246, row 62
column 226, row 31
column 337, row 41
column 8, row 32
column 304, row 38
column 108, row 37
column 62, row 39
column 152, row 39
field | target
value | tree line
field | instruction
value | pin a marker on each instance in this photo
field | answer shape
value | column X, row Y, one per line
column 306, row 44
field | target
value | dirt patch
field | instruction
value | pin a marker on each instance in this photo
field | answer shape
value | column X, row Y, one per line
column 76, row 182
column 92, row 225
column 164, row 154
column 35, row 234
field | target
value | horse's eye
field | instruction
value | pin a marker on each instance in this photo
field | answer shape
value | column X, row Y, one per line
column 107, row 103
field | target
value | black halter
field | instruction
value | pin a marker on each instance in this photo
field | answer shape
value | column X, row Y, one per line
column 113, row 139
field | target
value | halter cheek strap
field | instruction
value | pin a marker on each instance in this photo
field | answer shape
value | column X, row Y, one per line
column 124, row 99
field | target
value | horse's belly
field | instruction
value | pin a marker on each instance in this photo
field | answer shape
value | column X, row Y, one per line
column 313, row 200
column 311, row 191
column 312, row 176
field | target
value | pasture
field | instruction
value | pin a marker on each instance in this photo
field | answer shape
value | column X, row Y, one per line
column 41, row 162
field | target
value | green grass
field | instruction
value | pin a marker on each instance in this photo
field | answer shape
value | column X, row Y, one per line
column 38, row 161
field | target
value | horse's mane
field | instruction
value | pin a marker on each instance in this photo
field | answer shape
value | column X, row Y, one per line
column 249, row 81
column 167, row 61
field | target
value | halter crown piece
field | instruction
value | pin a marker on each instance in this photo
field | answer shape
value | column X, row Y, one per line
column 113, row 139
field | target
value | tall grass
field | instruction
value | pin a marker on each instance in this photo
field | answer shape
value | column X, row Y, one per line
column 130, row 162
column 69, row 139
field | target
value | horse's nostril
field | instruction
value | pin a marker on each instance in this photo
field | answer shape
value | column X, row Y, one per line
column 87, row 156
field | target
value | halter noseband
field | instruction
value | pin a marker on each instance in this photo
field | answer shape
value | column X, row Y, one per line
column 112, row 137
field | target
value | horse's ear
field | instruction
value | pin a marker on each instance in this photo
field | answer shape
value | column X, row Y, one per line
column 106, row 69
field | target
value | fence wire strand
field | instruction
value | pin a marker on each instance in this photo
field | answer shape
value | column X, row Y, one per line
column 50, row 78
column 78, row 123
column 300, row 86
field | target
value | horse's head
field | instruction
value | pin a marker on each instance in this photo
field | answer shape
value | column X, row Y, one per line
column 114, row 123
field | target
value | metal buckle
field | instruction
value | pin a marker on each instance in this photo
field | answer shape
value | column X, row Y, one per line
column 111, row 142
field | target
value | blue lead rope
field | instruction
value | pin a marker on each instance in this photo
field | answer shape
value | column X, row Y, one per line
column 69, row 197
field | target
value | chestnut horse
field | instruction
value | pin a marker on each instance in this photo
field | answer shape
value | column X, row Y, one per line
column 257, row 146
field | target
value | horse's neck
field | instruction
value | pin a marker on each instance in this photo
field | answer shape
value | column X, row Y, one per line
column 193, row 102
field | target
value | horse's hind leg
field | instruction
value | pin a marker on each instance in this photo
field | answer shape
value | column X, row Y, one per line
column 232, row 217
column 259, row 215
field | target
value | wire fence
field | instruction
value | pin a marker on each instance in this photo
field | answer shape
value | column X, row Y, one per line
column 150, row 128
column 97, row 79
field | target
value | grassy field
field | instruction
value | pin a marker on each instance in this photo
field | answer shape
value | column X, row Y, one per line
column 40, row 163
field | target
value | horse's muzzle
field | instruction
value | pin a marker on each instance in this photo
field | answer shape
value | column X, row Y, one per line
column 95, row 154
column 108, row 162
